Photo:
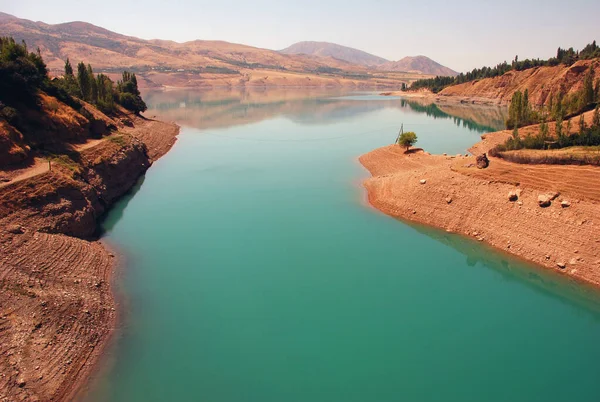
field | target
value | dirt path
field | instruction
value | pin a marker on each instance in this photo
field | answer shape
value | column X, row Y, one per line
column 39, row 166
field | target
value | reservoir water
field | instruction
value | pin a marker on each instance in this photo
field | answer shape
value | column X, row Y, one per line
column 255, row 271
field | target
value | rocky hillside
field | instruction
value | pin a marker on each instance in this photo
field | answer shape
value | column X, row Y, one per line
column 421, row 64
column 56, row 307
column 327, row 49
column 190, row 64
column 541, row 82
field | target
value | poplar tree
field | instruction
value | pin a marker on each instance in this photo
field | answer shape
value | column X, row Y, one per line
column 93, row 85
column 588, row 87
column 83, row 80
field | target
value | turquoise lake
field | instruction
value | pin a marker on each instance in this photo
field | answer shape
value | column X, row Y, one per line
column 255, row 271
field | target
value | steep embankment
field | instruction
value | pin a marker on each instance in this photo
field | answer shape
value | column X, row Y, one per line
column 56, row 307
column 459, row 198
column 541, row 82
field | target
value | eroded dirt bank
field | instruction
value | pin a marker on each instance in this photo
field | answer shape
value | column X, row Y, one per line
column 459, row 198
column 57, row 311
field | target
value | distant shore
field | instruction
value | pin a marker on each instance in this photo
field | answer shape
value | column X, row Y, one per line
column 452, row 194
column 437, row 98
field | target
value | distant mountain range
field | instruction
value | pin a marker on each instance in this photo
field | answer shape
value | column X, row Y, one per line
column 326, row 49
column 421, row 64
column 199, row 63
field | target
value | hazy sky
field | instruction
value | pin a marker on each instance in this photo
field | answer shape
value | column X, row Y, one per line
column 460, row 34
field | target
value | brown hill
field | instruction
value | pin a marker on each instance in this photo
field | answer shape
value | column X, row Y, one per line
column 195, row 63
column 326, row 49
column 539, row 81
column 421, row 64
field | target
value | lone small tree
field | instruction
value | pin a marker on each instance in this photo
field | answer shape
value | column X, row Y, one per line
column 407, row 139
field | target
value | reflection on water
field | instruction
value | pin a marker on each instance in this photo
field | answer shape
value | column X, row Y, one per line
column 547, row 282
column 213, row 109
column 255, row 274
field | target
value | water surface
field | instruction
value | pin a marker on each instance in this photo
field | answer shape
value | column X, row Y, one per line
column 255, row 271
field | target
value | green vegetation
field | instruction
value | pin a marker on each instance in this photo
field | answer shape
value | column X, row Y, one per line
column 520, row 112
column 563, row 56
column 100, row 90
column 585, row 136
column 407, row 139
column 23, row 75
column 118, row 139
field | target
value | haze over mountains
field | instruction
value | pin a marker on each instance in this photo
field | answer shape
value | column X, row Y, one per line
column 326, row 49
column 420, row 64
column 164, row 63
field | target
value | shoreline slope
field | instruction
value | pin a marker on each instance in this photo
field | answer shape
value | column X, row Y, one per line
column 57, row 310
column 459, row 198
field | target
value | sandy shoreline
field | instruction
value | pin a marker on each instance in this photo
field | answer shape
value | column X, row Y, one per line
column 459, row 198
column 57, row 307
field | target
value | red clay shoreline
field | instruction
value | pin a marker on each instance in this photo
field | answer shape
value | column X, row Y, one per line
column 474, row 203
column 58, row 302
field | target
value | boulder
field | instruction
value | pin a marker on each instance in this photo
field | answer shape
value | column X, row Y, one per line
column 544, row 200
column 422, row 181
column 513, row 196
column 15, row 229
column 482, row 161
column 561, row 265
column 127, row 122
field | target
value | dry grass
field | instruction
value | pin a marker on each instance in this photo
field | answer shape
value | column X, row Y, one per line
column 564, row 156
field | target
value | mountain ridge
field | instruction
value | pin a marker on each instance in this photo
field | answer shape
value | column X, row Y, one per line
column 335, row 50
column 419, row 63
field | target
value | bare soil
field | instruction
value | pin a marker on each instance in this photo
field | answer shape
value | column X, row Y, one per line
column 460, row 198
column 57, row 311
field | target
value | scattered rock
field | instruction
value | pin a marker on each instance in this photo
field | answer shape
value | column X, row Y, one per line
column 482, row 161
column 512, row 196
column 127, row 122
column 15, row 229
column 423, row 181
column 520, row 203
column 565, row 204
column 547, row 256
column 553, row 195
column 21, row 382
column 414, row 212
column 544, row 200
column 561, row 265
column 448, row 200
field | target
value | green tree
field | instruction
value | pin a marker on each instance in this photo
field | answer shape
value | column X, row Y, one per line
column 588, row 87
column 407, row 139
column 68, row 69
column 129, row 94
column 84, row 82
column 22, row 74
column 596, row 117
column 93, row 85
column 582, row 126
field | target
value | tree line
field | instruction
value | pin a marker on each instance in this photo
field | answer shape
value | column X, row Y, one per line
column 563, row 56
column 23, row 74
column 100, row 90
column 521, row 113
